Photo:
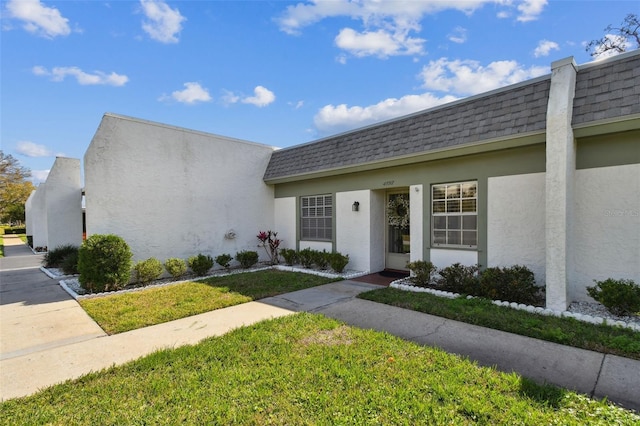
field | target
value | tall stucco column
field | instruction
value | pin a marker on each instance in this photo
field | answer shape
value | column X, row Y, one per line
column 560, row 171
column 416, row 218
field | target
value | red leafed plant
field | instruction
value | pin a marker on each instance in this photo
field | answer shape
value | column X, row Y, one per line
column 270, row 243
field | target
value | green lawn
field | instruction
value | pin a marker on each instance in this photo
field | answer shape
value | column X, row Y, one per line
column 306, row 369
column 129, row 311
column 567, row 331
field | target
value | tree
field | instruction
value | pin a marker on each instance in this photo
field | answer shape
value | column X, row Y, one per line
column 617, row 40
column 14, row 188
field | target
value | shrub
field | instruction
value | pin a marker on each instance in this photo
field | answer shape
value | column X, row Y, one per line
column 421, row 272
column 458, row 278
column 514, row 284
column 620, row 297
column 224, row 260
column 290, row 256
column 247, row 258
column 320, row 258
column 148, row 270
column 175, row 267
column 55, row 257
column 104, row 263
column 338, row 261
column 200, row 264
column 70, row 264
column 306, row 257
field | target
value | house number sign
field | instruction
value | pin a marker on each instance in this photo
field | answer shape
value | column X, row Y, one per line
column 388, row 183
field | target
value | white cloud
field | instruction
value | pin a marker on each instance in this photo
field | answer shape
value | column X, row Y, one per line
column 458, row 35
column 163, row 23
column 192, row 93
column 38, row 18
column 83, row 78
column 545, row 47
column 612, row 40
column 262, row 97
column 333, row 119
column 530, row 10
column 467, row 77
column 229, row 97
column 30, row 149
column 39, row 176
column 379, row 43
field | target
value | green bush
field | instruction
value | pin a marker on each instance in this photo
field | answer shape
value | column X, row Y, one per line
column 458, row 278
column 290, row 256
column 338, row 261
column 14, row 230
column 175, row 267
column 224, row 260
column 306, row 257
column 55, row 257
column 200, row 264
column 148, row 270
column 104, row 263
column 421, row 273
column 320, row 258
column 70, row 264
column 247, row 258
column 514, row 284
column 620, row 297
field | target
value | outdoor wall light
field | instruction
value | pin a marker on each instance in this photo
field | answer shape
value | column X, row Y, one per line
column 355, row 207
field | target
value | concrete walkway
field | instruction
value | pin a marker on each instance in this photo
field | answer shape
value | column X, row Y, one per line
column 47, row 338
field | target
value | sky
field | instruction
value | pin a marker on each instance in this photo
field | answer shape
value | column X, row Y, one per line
column 280, row 73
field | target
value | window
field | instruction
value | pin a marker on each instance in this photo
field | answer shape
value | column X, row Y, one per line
column 316, row 217
column 455, row 214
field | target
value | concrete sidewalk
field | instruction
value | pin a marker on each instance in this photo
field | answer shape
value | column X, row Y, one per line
column 72, row 345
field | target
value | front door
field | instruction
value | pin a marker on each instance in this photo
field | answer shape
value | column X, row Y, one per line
column 397, row 235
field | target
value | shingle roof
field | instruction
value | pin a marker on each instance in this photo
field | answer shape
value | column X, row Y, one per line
column 501, row 114
column 607, row 91
column 603, row 91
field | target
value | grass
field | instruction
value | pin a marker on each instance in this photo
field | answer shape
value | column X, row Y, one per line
column 567, row 331
column 306, row 369
column 123, row 312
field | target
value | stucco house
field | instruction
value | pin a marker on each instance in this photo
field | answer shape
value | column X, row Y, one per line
column 544, row 173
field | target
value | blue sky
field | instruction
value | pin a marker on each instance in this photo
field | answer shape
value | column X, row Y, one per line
column 275, row 72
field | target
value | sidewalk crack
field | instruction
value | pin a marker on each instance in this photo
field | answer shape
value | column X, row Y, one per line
column 595, row 385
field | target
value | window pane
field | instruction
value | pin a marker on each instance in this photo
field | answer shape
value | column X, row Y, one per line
column 453, row 191
column 438, row 206
column 453, row 206
column 470, row 222
column 469, row 190
column 470, row 238
column 453, row 237
column 468, row 206
column 453, row 222
column 440, row 222
column 438, row 192
column 439, row 237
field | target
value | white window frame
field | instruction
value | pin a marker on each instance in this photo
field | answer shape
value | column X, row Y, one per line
column 316, row 217
column 454, row 214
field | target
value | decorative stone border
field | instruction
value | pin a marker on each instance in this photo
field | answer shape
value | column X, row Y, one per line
column 67, row 281
column 402, row 285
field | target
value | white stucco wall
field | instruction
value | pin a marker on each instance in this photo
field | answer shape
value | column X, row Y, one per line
column 28, row 213
column 442, row 258
column 516, row 222
column 285, row 221
column 39, row 216
column 353, row 229
column 173, row 192
column 607, row 227
column 64, row 203
column 317, row 245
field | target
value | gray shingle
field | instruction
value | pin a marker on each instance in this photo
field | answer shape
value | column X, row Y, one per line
column 499, row 114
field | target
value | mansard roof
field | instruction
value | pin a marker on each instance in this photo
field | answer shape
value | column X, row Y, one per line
column 606, row 90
